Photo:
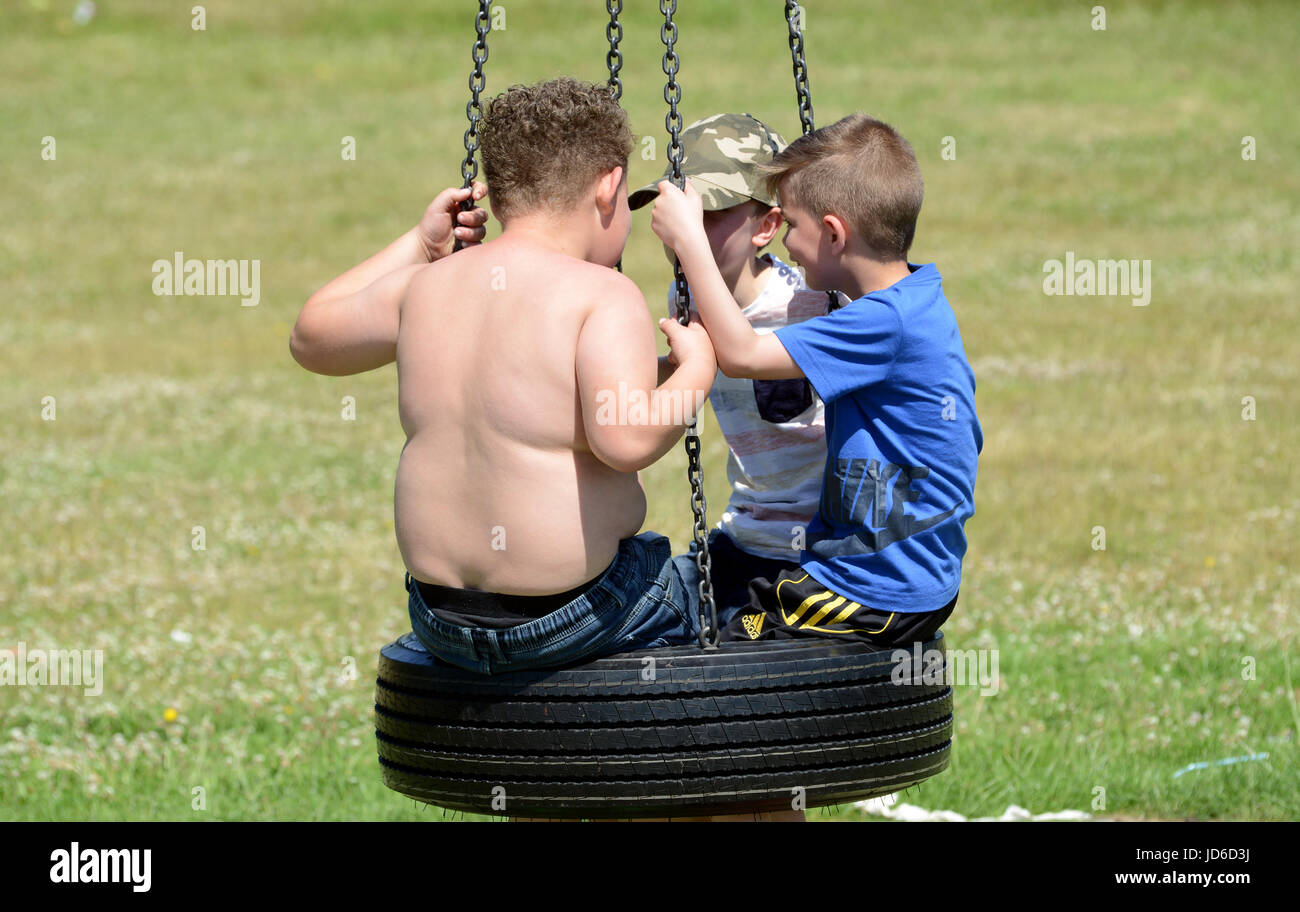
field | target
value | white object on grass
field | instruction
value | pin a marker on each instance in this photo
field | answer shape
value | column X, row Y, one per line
column 889, row 808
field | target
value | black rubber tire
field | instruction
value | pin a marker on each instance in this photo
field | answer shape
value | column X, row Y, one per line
column 661, row 732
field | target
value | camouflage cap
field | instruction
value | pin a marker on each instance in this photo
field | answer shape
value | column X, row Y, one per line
column 718, row 155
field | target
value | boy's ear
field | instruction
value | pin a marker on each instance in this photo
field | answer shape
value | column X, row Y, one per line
column 838, row 231
column 768, row 226
column 607, row 189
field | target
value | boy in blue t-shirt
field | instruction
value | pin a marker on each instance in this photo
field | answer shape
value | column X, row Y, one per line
column 882, row 560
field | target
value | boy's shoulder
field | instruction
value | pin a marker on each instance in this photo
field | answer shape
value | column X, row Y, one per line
column 861, row 344
column 918, row 291
column 563, row 286
column 552, row 273
column 611, row 286
column 607, row 294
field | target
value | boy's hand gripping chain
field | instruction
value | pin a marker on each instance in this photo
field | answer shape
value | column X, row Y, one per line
column 473, row 110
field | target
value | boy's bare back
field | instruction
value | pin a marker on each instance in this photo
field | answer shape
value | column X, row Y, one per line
column 497, row 487
column 517, row 477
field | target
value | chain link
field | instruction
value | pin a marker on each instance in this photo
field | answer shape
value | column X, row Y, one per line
column 673, row 123
column 474, row 110
column 694, row 470
column 709, row 632
column 614, row 32
column 672, row 95
column 793, row 15
column 614, row 58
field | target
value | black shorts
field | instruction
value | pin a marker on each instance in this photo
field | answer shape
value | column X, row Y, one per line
column 796, row 605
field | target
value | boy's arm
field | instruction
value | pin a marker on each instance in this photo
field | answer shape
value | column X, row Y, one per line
column 348, row 333
column 631, row 420
column 350, row 325
column 666, row 368
column 741, row 352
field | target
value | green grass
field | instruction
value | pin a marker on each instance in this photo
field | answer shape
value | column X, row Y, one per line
column 1117, row 667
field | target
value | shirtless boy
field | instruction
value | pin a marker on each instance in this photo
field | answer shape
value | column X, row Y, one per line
column 517, row 500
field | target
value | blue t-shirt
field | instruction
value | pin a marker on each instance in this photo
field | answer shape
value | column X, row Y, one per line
column 902, row 440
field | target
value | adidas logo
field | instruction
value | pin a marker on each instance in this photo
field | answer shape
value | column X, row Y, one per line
column 753, row 624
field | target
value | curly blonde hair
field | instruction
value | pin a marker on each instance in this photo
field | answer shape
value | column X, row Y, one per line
column 544, row 145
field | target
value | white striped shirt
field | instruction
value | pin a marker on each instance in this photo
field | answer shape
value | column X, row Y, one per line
column 775, row 467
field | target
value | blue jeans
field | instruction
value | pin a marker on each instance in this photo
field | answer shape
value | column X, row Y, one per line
column 639, row 602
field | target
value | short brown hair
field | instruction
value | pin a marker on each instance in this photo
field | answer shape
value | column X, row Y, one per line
column 860, row 169
column 544, row 145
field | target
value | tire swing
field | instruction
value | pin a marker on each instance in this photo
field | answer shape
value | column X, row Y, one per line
column 676, row 731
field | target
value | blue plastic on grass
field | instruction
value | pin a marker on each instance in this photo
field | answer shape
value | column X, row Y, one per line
column 1205, row 764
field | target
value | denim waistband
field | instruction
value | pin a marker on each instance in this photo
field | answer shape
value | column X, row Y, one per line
column 633, row 573
column 512, row 610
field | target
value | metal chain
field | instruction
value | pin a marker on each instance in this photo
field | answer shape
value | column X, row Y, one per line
column 614, row 58
column 792, row 20
column 473, row 110
column 614, row 32
column 709, row 632
column 673, row 122
column 672, row 95
column 694, row 471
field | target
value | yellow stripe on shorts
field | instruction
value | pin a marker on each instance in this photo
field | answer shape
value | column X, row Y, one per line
column 804, row 606
column 833, row 603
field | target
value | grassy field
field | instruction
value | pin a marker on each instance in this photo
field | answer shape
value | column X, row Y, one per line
column 228, row 669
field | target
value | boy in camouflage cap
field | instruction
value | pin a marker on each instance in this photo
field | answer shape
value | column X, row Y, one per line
column 774, row 428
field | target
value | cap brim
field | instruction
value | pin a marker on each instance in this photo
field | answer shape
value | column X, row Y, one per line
column 714, row 197
column 638, row 198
